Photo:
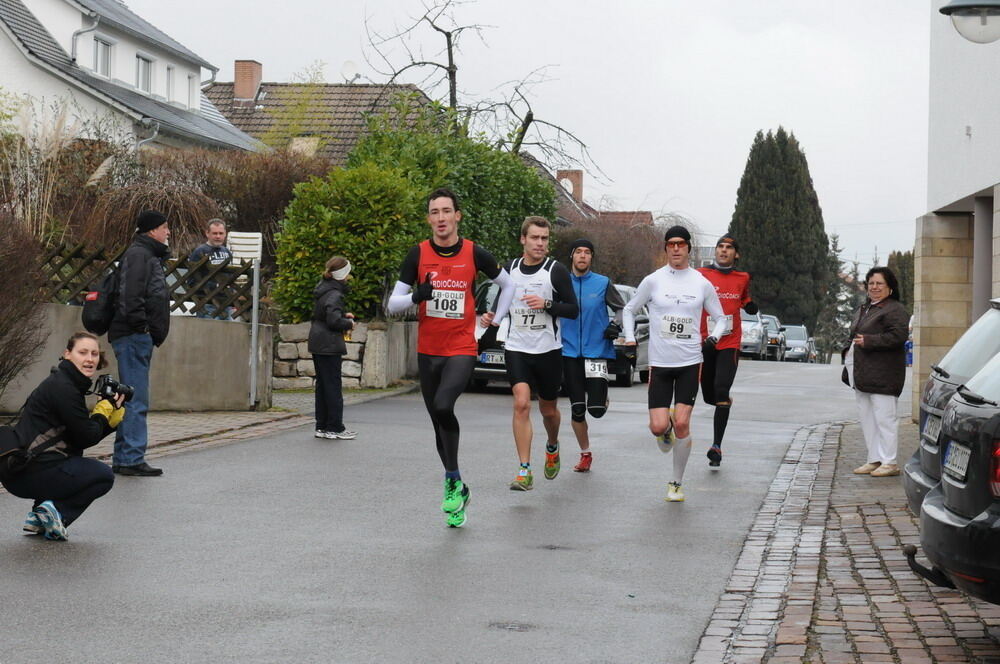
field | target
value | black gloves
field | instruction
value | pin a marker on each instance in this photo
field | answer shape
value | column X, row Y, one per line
column 424, row 291
column 709, row 343
column 612, row 331
column 751, row 308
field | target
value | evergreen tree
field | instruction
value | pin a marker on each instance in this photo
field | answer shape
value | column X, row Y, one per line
column 834, row 319
column 901, row 264
column 779, row 224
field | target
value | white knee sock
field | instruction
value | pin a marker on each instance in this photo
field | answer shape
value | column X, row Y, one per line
column 682, row 450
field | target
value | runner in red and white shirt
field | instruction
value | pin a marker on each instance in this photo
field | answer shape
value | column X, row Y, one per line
column 442, row 273
column 718, row 369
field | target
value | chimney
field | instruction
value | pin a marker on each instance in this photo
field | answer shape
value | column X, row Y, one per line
column 248, row 74
column 575, row 183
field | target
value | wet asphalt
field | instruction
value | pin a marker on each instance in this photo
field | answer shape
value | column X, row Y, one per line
column 292, row 549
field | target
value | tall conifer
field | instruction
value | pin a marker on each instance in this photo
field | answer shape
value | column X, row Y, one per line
column 779, row 224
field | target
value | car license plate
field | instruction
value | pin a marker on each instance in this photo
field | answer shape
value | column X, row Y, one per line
column 491, row 357
column 956, row 462
column 932, row 428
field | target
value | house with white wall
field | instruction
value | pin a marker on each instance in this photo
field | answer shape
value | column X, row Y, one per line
column 108, row 62
column 957, row 250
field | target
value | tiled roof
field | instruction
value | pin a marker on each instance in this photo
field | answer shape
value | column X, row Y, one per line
column 39, row 44
column 120, row 16
column 334, row 112
column 569, row 211
column 627, row 219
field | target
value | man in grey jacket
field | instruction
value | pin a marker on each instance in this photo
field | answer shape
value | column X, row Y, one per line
column 141, row 321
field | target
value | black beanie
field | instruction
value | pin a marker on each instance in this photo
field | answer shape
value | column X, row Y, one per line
column 148, row 220
column 730, row 239
column 678, row 231
column 582, row 242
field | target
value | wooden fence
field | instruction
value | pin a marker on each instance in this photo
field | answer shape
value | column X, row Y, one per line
column 73, row 270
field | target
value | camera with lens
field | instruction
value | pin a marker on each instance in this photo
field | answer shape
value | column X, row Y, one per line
column 108, row 388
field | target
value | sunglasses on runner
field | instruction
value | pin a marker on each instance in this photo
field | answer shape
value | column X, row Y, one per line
column 674, row 244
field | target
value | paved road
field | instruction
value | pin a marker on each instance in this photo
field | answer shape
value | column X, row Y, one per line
column 291, row 549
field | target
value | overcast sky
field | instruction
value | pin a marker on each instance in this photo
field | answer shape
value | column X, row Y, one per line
column 667, row 95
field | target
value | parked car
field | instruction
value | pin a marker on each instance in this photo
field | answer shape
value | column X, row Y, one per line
column 754, row 341
column 960, row 516
column 800, row 347
column 969, row 354
column 490, row 362
column 775, row 337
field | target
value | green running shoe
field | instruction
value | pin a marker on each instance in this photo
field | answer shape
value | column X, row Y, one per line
column 522, row 481
column 551, row 468
column 457, row 519
column 455, row 495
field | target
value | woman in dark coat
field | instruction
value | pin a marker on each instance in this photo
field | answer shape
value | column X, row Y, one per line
column 877, row 352
column 55, row 428
column 326, row 343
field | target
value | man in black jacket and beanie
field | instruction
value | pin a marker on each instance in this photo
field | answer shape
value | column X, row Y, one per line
column 141, row 321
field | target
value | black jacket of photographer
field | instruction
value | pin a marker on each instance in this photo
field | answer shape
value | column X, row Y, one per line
column 326, row 334
column 56, row 409
column 143, row 301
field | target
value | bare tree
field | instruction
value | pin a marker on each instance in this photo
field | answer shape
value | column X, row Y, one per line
column 510, row 120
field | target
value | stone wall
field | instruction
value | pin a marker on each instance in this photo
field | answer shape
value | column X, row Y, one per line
column 378, row 354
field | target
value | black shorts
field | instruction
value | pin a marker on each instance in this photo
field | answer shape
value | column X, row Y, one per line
column 584, row 393
column 542, row 371
column 718, row 371
column 673, row 385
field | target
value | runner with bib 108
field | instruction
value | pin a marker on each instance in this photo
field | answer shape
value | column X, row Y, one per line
column 442, row 273
column 676, row 294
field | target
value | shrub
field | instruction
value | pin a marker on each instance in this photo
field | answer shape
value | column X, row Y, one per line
column 497, row 189
column 370, row 214
column 21, row 326
column 624, row 254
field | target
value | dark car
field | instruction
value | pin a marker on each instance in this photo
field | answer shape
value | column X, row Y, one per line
column 960, row 516
column 490, row 362
column 775, row 337
column 969, row 354
column 799, row 346
column 754, row 340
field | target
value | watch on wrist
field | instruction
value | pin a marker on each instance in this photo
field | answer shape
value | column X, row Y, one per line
column 548, row 304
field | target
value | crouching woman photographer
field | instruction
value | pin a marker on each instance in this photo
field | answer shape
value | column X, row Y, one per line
column 53, row 430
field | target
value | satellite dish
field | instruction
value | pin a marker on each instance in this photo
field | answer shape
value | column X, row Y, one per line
column 349, row 70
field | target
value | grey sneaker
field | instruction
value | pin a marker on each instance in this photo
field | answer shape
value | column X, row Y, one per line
column 346, row 434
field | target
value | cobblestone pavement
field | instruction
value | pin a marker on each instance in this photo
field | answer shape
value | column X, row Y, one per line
column 822, row 577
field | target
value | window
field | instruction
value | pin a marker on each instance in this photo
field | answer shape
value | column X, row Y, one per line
column 170, row 83
column 102, row 58
column 192, row 92
column 143, row 73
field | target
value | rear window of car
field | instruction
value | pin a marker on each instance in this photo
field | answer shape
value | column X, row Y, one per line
column 796, row 333
column 976, row 347
column 986, row 383
column 772, row 323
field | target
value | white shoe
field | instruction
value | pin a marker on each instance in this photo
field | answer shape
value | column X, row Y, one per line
column 674, row 493
column 342, row 435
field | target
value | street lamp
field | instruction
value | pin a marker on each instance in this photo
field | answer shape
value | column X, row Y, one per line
column 976, row 20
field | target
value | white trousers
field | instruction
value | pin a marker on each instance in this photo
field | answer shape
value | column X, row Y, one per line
column 879, row 425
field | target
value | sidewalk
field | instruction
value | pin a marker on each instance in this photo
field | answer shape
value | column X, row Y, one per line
column 822, row 577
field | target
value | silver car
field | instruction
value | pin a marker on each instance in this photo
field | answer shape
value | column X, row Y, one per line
column 754, row 341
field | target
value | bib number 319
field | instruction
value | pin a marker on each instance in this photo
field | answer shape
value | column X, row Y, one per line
column 595, row 369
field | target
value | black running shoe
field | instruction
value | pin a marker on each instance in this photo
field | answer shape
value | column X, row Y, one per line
column 714, row 456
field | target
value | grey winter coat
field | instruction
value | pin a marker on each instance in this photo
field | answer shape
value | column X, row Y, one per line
column 326, row 334
column 880, row 365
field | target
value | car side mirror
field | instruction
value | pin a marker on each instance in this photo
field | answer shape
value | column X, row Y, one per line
column 781, row 329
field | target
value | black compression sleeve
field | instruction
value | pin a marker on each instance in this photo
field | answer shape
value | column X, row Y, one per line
column 485, row 262
column 564, row 305
column 408, row 272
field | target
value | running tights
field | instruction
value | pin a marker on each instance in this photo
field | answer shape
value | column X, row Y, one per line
column 442, row 380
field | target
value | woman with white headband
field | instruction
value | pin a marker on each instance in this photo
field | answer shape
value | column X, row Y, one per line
column 326, row 343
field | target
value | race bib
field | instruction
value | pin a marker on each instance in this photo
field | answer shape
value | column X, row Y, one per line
column 595, row 369
column 529, row 319
column 726, row 330
column 446, row 304
column 676, row 327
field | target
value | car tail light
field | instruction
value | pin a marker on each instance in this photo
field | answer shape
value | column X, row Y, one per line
column 995, row 469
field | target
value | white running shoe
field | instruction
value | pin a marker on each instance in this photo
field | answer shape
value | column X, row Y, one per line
column 674, row 493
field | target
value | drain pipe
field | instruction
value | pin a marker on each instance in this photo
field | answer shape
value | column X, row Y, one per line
column 148, row 122
column 204, row 84
column 97, row 19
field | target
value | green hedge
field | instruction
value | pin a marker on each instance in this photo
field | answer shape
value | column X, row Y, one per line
column 370, row 214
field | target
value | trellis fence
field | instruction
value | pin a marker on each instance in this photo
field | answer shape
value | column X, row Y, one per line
column 73, row 270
